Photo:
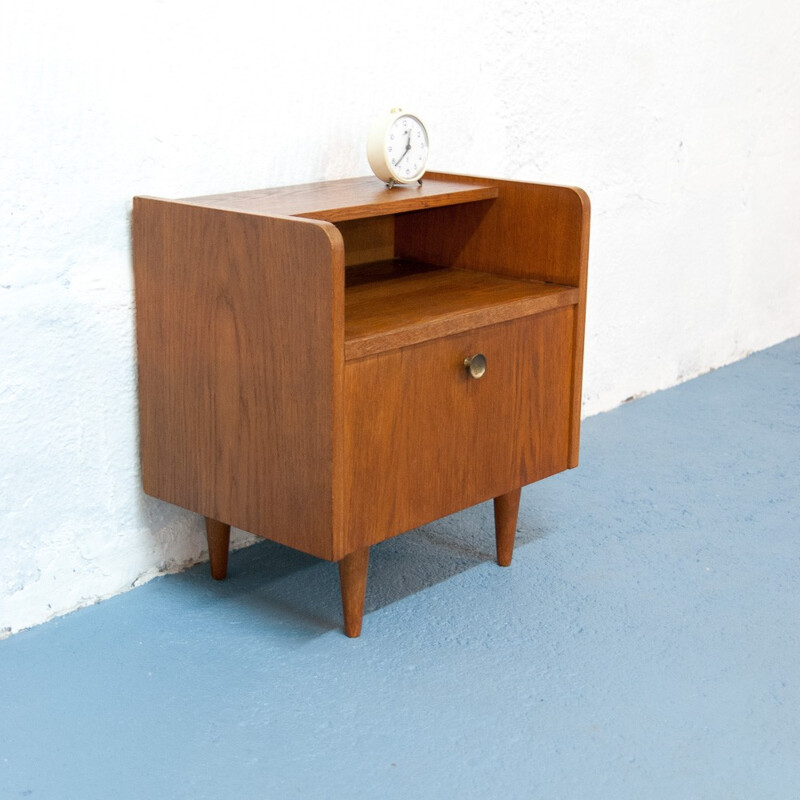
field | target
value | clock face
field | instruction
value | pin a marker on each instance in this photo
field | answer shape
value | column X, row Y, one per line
column 406, row 148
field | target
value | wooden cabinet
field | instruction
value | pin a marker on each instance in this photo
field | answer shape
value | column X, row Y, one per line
column 303, row 351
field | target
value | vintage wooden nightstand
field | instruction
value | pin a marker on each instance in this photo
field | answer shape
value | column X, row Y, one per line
column 330, row 365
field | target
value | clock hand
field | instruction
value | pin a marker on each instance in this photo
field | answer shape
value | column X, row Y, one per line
column 408, row 147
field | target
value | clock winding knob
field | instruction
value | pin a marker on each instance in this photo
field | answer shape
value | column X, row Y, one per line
column 476, row 365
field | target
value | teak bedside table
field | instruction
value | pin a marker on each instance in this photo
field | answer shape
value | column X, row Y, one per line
column 330, row 365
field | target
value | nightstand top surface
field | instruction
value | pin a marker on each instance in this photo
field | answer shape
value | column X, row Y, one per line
column 351, row 198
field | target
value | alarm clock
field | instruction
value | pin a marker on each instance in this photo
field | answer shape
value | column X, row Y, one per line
column 397, row 147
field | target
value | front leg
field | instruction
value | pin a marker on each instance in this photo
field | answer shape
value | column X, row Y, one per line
column 353, row 578
column 506, row 509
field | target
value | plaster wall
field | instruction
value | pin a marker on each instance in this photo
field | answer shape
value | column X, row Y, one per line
column 681, row 119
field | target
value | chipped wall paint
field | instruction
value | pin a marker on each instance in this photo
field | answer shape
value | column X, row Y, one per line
column 680, row 119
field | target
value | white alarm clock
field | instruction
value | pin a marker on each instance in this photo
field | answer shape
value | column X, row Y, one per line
column 397, row 147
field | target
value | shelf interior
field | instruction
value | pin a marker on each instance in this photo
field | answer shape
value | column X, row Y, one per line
column 399, row 302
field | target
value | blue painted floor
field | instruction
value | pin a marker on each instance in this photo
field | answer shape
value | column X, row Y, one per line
column 644, row 644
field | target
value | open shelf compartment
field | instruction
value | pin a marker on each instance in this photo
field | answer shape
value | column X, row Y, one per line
column 398, row 302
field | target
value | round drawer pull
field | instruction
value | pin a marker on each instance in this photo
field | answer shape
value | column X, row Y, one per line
column 476, row 365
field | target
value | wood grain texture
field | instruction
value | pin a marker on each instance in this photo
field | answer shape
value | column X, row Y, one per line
column 240, row 338
column 388, row 314
column 352, row 198
column 385, row 270
column 423, row 439
column 506, row 511
column 218, row 536
column 367, row 240
column 531, row 230
column 353, row 570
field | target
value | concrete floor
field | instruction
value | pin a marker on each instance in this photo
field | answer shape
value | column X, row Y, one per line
column 644, row 644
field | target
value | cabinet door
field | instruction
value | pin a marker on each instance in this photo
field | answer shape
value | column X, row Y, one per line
column 424, row 439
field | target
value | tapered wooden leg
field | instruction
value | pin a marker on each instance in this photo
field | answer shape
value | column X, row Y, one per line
column 353, row 578
column 219, row 538
column 506, row 508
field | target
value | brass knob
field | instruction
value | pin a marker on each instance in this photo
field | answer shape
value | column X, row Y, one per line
column 476, row 365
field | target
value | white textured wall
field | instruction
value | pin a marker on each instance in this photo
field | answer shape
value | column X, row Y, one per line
column 680, row 119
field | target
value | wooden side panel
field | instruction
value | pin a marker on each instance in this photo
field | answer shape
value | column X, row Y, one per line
column 530, row 231
column 240, row 337
column 366, row 240
column 423, row 439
